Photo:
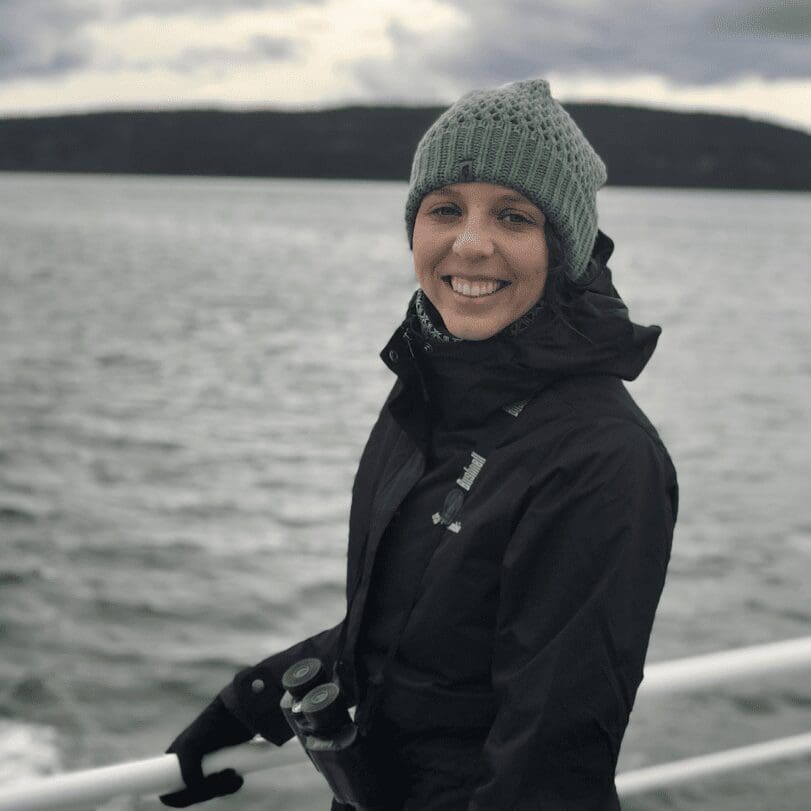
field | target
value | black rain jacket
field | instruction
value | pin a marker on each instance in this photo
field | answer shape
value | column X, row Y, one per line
column 532, row 618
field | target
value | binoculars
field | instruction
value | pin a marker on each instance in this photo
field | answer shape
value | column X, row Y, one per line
column 317, row 713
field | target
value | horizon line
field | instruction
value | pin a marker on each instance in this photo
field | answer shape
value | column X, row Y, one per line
column 226, row 107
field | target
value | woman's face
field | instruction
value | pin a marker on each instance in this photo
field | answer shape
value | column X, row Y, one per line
column 480, row 256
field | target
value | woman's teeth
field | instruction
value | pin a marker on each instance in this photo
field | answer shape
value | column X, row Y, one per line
column 475, row 289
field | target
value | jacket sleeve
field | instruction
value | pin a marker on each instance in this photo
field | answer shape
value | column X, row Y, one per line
column 255, row 692
column 580, row 582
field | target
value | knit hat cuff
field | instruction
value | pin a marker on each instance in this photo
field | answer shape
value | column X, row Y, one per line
column 540, row 175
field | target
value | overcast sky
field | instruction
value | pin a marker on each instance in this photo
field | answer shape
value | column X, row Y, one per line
column 728, row 55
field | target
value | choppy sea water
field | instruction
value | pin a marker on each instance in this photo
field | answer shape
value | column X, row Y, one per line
column 188, row 371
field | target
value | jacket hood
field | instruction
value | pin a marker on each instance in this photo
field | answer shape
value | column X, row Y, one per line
column 590, row 333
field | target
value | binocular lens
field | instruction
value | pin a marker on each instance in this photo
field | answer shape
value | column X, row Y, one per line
column 302, row 677
column 324, row 708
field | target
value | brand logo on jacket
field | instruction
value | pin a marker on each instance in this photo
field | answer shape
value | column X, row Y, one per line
column 516, row 408
column 456, row 497
column 471, row 471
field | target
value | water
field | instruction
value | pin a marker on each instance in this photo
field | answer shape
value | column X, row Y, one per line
column 188, row 371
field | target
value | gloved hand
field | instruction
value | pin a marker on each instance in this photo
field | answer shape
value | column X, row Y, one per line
column 215, row 728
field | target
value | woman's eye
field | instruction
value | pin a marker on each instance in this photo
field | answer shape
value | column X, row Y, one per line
column 515, row 218
column 444, row 210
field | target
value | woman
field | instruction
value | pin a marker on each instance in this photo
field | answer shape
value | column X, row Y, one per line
column 513, row 509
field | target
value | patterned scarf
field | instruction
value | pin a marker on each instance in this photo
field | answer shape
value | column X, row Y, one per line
column 430, row 321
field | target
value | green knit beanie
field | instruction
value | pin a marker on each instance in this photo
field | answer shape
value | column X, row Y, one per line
column 516, row 135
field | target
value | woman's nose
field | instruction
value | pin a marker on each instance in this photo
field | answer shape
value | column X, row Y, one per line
column 473, row 241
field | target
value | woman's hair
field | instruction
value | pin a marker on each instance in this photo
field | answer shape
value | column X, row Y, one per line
column 557, row 264
column 560, row 288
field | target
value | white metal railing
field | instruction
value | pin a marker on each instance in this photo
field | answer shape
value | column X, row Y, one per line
column 158, row 775
column 690, row 769
column 696, row 672
column 162, row 774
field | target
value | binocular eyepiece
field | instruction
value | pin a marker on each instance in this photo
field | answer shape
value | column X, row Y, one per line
column 297, row 681
column 316, row 711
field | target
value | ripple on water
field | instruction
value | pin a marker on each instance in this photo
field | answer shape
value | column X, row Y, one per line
column 16, row 577
column 129, row 361
column 16, row 515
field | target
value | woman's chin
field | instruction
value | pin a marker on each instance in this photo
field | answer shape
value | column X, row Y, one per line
column 472, row 329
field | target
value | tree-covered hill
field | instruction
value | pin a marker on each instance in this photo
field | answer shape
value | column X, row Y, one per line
column 641, row 147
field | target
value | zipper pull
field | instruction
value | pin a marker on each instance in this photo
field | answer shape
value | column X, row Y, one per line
column 407, row 338
column 408, row 341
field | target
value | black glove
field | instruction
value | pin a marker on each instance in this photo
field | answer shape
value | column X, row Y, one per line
column 215, row 728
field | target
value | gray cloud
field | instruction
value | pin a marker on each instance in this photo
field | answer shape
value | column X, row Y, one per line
column 38, row 38
column 131, row 8
column 41, row 38
column 274, row 48
column 693, row 41
column 258, row 48
column 788, row 19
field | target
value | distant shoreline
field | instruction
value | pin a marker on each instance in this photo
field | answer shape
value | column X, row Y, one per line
column 404, row 181
column 640, row 146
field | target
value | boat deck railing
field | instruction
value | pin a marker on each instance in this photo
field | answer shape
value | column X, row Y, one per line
column 159, row 775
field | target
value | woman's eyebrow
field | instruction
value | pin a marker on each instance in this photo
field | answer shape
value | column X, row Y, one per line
column 512, row 198
column 443, row 190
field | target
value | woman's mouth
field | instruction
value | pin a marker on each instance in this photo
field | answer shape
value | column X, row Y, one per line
column 474, row 288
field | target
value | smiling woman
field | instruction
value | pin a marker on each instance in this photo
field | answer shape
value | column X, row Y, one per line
column 512, row 512
column 480, row 256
